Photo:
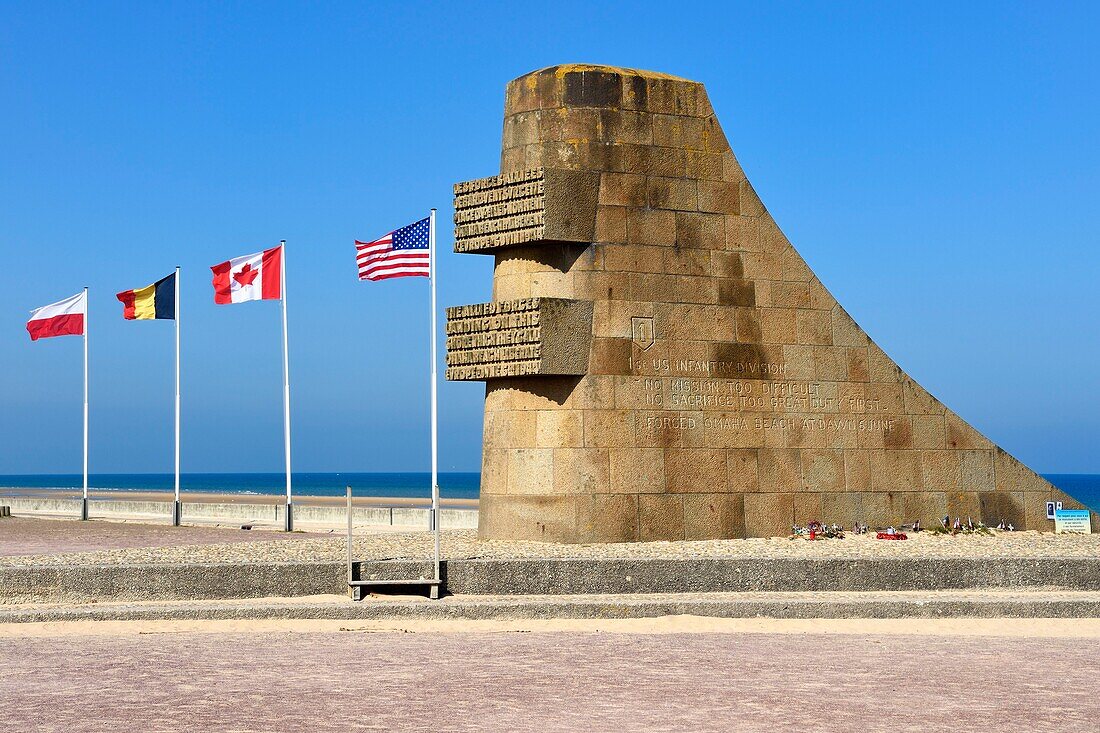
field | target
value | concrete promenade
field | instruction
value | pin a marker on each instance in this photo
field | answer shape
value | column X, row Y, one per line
column 201, row 508
column 50, row 537
column 686, row 674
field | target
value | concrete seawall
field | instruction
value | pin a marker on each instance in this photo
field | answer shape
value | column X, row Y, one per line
column 544, row 577
column 306, row 515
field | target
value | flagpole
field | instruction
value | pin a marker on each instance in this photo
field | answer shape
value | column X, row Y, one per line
column 84, row 499
column 289, row 520
column 435, row 432
column 177, row 508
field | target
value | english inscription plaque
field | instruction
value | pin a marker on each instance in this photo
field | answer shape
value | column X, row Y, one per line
column 518, row 338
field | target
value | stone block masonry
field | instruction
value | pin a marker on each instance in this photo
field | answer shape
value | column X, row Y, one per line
column 695, row 379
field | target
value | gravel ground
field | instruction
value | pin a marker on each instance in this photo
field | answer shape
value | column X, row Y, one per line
column 197, row 545
column 545, row 682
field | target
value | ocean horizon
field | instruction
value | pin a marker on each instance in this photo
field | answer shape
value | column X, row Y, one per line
column 1085, row 487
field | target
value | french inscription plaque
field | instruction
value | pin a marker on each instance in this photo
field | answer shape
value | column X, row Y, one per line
column 661, row 363
column 537, row 205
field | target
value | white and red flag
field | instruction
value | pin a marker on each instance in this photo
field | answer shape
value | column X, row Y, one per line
column 63, row 318
column 252, row 277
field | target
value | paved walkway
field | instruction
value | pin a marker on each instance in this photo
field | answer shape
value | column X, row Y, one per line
column 23, row 536
column 545, row 681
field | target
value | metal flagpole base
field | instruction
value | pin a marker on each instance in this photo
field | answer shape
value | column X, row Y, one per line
column 84, row 508
column 288, row 526
column 177, row 513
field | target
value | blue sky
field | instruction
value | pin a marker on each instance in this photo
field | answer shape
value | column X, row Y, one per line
column 936, row 165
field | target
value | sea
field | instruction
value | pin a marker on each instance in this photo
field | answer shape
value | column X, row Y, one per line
column 1085, row 487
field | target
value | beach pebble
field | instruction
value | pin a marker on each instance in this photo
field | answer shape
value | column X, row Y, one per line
column 464, row 544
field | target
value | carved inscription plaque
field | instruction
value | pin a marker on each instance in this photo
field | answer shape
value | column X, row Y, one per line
column 500, row 211
column 532, row 336
column 527, row 206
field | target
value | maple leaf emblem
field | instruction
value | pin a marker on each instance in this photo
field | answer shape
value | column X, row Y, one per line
column 246, row 276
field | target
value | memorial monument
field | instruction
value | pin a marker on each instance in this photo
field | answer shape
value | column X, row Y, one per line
column 661, row 364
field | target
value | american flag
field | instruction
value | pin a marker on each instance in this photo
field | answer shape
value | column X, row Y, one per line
column 401, row 253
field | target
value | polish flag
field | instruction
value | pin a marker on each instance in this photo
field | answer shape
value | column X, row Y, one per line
column 252, row 277
column 63, row 318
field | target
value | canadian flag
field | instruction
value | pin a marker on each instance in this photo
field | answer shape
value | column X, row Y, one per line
column 252, row 277
column 63, row 318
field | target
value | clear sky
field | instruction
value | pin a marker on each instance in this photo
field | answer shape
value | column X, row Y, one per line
column 937, row 166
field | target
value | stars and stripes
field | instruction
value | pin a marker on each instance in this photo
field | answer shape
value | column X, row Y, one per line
column 403, row 252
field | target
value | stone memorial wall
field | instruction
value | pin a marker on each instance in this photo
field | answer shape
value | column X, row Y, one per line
column 661, row 364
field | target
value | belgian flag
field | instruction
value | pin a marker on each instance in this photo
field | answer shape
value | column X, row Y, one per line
column 153, row 301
